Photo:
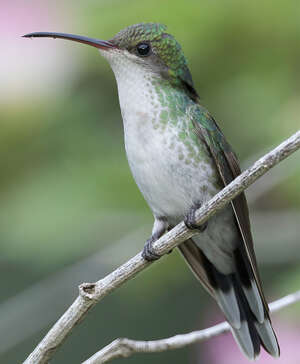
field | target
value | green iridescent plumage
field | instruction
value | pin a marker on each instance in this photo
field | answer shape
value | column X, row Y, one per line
column 134, row 34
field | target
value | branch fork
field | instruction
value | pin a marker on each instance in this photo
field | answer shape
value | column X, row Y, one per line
column 122, row 347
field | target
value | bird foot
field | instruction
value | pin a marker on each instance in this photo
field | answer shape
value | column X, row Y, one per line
column 148, row 252
column 190, row 220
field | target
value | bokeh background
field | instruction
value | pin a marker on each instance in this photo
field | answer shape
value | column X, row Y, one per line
column 70, row 210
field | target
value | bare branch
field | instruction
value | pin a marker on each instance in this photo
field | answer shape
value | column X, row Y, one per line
column 91, row 293
column 50, row 293
column 122, row 348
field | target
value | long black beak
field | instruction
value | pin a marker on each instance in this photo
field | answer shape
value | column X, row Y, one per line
column 102, row 44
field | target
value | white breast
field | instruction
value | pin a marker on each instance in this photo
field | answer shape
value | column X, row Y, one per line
column 158, row 159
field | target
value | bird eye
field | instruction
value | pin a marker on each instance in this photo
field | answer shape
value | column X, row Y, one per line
column 143, row 49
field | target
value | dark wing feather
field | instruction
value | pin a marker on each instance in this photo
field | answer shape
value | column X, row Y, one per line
column 227, row 164
column 194, row 259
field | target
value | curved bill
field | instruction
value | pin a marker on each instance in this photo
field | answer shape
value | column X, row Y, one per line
column 102, row 44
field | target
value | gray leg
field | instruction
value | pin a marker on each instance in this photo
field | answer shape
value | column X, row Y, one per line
column 190, row 220
column 159, row 228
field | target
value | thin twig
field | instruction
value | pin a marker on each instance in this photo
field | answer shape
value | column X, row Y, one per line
column 91, row 293
column 123, row 347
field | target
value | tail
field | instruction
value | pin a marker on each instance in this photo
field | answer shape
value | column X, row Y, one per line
column 239, row 298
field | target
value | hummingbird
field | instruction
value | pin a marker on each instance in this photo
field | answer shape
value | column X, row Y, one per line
column 180, row 159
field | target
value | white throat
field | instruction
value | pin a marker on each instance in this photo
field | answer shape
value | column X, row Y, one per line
column 134, row 82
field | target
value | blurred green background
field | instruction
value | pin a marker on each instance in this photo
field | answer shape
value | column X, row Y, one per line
column 70, row 210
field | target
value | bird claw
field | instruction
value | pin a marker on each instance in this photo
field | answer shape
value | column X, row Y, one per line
column 190, row 220
column 148, row 252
